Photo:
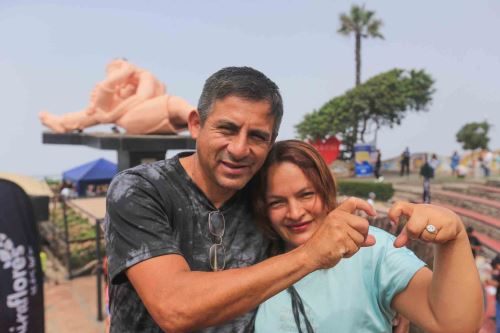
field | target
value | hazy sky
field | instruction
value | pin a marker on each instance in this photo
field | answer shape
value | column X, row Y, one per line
column 53, row 52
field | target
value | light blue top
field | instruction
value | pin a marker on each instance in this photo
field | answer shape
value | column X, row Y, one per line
column 353, row 296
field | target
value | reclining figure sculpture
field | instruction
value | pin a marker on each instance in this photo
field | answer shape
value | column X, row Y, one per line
column 129, row 97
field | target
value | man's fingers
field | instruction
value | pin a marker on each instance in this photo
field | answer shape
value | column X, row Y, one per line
column 352, row 204
column 369, row 241
column 351, row 248
column 362, row 239
column 357, row 223
column 357, row 236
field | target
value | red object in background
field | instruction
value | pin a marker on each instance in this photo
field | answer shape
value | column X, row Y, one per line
column 328, row 148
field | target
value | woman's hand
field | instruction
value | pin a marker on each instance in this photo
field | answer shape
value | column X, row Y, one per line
column 429, row 223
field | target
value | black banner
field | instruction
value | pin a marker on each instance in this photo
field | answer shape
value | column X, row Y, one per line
column 21, row 283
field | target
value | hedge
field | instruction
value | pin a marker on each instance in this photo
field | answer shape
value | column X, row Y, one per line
column 361, row 189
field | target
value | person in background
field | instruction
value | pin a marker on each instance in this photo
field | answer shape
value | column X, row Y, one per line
column 293, row 193
column 434, row 163
column 455, row 160
column 475, row 243
column 371, row 198
column 378, row 165
column 405, row 162
column 487, row 162
column 495, row 282
column 427, row 173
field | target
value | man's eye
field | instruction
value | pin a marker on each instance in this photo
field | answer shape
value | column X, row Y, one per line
column 226, row 130
column 259, row 137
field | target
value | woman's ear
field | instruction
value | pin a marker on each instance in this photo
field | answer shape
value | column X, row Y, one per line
column 194, row 123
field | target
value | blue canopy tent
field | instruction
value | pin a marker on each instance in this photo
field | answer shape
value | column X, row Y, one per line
column 97, row 172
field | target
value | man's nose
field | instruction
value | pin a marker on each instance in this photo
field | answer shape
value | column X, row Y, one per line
column 238, row 148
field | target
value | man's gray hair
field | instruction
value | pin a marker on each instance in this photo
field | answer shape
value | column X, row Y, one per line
column 243, row 82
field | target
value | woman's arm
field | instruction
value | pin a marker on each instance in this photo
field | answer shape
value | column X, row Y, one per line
column 450, row 298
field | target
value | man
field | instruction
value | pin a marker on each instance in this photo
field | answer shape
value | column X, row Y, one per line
column 487, row 161
column 183, row 252
column 427, row 172
column 405, row 162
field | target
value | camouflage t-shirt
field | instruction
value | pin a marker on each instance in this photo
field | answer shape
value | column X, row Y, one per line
column 155, row 209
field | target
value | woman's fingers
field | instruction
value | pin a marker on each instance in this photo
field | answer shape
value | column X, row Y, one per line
column 414, row 229
column 402, row 239
column 398, row 209
column 429, row 223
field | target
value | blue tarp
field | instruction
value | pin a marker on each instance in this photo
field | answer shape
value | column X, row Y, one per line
column 100, row 171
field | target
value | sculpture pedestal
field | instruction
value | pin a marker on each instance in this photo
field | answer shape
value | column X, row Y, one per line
column 132, row 149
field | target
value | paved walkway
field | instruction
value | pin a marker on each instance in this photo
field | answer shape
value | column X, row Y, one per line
column 71, row 306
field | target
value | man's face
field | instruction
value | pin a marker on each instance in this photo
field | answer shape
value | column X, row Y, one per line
column 232, row 144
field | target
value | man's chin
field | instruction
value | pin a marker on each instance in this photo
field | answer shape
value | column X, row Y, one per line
column 233, row 184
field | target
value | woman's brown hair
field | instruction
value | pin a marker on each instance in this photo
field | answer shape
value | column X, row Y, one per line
column 308, row 159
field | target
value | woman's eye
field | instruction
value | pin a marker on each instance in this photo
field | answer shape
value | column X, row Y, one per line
column 307, row 195
column 275, row 204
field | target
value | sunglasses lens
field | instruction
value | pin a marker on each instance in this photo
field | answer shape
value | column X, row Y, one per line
column 216, row 224
column 217, row 257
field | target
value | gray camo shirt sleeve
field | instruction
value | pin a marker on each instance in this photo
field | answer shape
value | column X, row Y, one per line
column 137, row 227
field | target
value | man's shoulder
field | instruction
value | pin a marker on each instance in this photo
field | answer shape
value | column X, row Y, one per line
column 150, row 177
column 150, row 171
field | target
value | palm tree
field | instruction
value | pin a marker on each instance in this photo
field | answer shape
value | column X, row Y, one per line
column 362, row 23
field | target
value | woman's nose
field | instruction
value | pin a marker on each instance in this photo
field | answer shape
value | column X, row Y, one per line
column 295, row 210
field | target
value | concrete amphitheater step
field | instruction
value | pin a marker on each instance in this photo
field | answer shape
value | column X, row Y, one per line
column 493, row 182
column 490, row 243
column 472, row 202
column 485, row 224
column 486, row 228
column 488, row 192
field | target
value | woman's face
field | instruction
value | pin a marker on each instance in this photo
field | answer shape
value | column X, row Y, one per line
column 294, row 207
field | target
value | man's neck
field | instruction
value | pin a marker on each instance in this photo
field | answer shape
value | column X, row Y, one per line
column 217, row 195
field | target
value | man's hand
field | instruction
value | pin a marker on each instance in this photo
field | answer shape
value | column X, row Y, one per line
column 340, row 235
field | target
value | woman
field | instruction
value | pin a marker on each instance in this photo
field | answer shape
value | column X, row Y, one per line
column 293, row 193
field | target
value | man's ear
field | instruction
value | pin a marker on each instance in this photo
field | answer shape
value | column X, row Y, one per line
column 194, row 123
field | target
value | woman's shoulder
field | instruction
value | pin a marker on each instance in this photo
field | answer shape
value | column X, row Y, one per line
column 381, row 235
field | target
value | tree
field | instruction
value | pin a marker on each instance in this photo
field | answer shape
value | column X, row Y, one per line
column 474, row 135
column 362, row 24
column 383, row 100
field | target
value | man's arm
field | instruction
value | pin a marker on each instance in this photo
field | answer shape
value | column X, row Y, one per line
column 180, row 300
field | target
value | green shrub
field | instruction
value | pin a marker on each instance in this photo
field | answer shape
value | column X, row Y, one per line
column 360, row 189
